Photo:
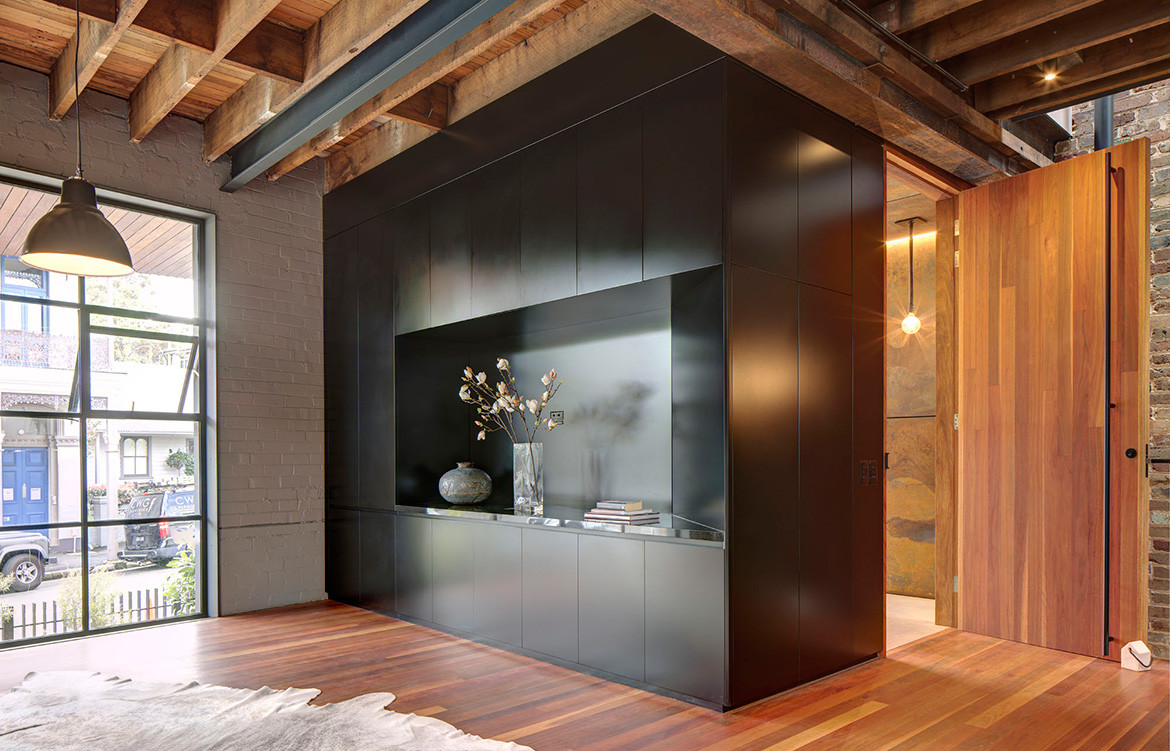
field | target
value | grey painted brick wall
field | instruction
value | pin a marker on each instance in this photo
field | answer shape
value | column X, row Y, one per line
column 270, row 381
column 1145, row 111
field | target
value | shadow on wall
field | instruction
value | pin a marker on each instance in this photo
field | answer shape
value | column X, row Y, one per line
column 608, row 423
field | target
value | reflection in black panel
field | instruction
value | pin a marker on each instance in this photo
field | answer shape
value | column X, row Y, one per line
column 826, row 481
column 498, row 583
column 495, row 237
column 683, row 174
column 342, row 406
column 764, row 521
column 550, row 593
column 548, row 219
column 412, row 280
column 698, row 400
column 377, row 561
column 609, row 198
column 376, row 365
column 412, row 566
column 453, row 574
column 761, row 173
column 342, row 562
column 451, row 253
column 612, row 631
column 825, row 202
column 868, row 389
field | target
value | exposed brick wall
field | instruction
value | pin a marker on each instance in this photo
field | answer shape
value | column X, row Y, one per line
column 270, row 382
column 1145, row 111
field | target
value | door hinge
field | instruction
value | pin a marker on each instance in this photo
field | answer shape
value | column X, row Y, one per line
column 956, row 228
column 955, row 585
column 956, row 421
column 956, row 259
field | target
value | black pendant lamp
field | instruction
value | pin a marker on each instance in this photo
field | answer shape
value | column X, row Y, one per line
column 911, row 323
column 75, row 237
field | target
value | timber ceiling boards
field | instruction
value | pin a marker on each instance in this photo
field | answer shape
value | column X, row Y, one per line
column 235, row 64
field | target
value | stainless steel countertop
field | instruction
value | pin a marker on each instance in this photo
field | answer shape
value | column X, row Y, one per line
column 567, row 517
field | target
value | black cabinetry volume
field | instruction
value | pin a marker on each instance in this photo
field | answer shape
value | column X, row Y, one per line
column 751, row 221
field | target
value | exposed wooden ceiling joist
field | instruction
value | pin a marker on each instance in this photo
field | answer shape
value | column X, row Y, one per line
column 87, row 49
column 341, row 34
column 269, row 49
column 561, row 40
column 792, row 54
column 471, row 46
column 1097, row 24
column 901, row 16
column 181, row 68
column 1020, row 91
column 985, row 22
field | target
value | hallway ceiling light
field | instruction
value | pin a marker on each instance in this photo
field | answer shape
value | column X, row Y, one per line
column 75, row 237
column 911, row 323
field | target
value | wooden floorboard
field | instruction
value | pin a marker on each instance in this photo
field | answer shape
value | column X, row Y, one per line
column 953, row 690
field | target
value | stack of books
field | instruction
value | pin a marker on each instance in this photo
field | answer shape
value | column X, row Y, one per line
column 621, row 512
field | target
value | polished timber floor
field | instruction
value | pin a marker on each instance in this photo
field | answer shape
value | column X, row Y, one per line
column 948, row 691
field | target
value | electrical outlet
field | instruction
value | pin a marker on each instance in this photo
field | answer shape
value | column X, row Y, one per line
column 557, row 416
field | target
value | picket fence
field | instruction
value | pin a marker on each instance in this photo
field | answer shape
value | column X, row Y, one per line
column 30, row 620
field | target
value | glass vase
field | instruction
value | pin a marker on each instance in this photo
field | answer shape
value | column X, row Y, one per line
column 528, row 479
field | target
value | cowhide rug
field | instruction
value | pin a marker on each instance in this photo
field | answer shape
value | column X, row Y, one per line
column 83, row 711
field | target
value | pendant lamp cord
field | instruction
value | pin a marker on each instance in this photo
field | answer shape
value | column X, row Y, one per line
column 77, row 81
column 911, row 223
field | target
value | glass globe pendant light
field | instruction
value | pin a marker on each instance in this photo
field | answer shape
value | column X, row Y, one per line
column 911, row 323
column 75, row 237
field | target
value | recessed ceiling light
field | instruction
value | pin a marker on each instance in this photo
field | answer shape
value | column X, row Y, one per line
column 1049, row 76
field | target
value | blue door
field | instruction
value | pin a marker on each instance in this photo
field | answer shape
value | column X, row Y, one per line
column 25, row 495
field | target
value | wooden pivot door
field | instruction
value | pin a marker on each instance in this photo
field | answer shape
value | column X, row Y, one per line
column 1052, row 323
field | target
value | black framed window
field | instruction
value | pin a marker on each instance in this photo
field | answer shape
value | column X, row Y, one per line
column 103, row 430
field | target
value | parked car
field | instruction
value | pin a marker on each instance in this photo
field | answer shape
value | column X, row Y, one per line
column 23, row 556
column 161, row 541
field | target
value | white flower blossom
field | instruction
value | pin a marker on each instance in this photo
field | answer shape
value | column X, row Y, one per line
column 544, row 379
column 482, row 435
column 481, row 378
column 501, row 364
column 532, row 406
column 465, row 393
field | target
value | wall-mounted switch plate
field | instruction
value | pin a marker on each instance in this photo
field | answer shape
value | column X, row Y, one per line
column 557, row 416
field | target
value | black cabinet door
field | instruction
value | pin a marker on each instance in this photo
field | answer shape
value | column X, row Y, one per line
column 498, row 583
column 342, row 555
column 342, row 266
column 550, row 593
column 763, row 581
column 611, row 596
column 684, row 619
column 826, row 199
column 495, row 237
column 761, row 173
column 412, row 259
column 548, row 219
column 412, row 566
column 375, row 285
column 683, row 174
column 453, row 572
column 377, row 560
column 869, row 273
column 451, row 253
column 826, row 481
column 609, row 199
